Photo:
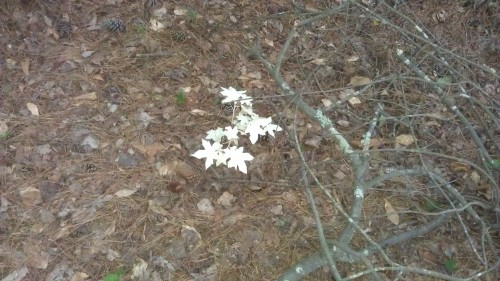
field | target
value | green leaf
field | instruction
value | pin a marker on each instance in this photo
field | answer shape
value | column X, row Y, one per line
column 191, row 15
column 141, row 29
column 280, row 223
column 444, row 81
column 450, row 265
column 431, row 205
column 112, row 277
column 4, row 136
column 495, row 163
column 120, row 271
column 115, row 276
column 180, row 98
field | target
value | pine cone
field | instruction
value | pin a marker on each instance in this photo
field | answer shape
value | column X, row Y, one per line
column 187, row 171
column 114, row 25
column 63, row 29
column 178, row 35
column 228, row 108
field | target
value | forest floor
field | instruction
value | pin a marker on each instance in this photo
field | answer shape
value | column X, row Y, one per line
column 93, row 118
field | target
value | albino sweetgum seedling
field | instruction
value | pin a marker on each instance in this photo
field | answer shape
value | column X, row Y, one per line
column 221, row 145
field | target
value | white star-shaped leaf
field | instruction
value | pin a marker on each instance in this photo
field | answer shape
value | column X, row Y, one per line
column 242, row 121
column 221, row 158
column 210, row 152
column 232, row 95
column 255, row 128
column 237, row 158
column 247, row 109
column 215, row 135
column 271, row 128
column 231, row 134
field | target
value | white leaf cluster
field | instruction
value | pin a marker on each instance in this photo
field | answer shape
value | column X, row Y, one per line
column 221, row 144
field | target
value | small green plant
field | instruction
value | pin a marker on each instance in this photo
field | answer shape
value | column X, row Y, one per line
column 140, row 29
column 114, row 276
column 495, row 163
column 191, row 16
column 444, row 81
column 4, row 136
column 431, row 205
column 450, row 265
column 180, row 98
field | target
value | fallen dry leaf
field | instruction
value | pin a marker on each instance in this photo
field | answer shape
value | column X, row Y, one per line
column 405, row 139
column 140, row 271
column 343, row 123
column 289, row 197
column 25, row 65
column 255, row 84
column 191, row 236
column 354, row 101
column 255, row 187
column 47, row 20
column 155, row 25
column 205, row 206
column 180, row 11
column 160, row 13
column 277, row 209
column 3, row 128
column 30, row 196
column 318, row 61
column 198, row 112
column 432, row 123
column 144, row 118
column 474, row 176
column 87, row 54
column 149, row 150
column 459, row 167
column 232, row 219
column 43, row 149
column 51, row 32
column 326, row 102
column 87, row 96
column 391, row 213
column 156, row 206
column 359, row 81
column 252, row 79
column 374, row 143
column 17, row 275
column 33, row 108
column 10, row 63
column 63, row 232
column 269, row 42
column 98, row 77
column 314, row 141
column 125, row 192
column 79, row 276
column 4, row 204
column 164, row 169
column 207, row 81
column 226, row 199
column 353, row 59
column 344, row 94
column 339, row 175
column 37, row 257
